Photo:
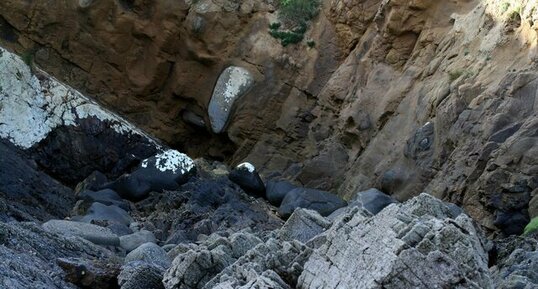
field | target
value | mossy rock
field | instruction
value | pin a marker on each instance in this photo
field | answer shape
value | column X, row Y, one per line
column 531, row 227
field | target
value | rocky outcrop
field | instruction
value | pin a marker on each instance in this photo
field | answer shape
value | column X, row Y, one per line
column 414, row 245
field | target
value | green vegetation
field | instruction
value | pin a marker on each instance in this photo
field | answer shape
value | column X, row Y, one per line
column 295, row 15
column 531, row 227
column 311, row 43
column 299, row 10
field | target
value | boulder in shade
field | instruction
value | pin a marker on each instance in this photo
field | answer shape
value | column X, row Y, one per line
column 246, row 176
column 106, row 197
column 149, row 253
column 232, row 83
column 321, row 201
column 275, row 191
column 110, row 214
column 133, row 241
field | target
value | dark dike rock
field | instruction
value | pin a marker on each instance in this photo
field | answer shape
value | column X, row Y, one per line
column 206, row 206
column 71, row 153
column 26, row 193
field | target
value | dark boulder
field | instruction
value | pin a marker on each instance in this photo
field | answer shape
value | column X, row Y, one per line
column 71, row 153
column 164, row 171
column 277, row 190
column 106, row 197
column 321, row 201
column 373, row 200
column 246, row 176
column 92, row 182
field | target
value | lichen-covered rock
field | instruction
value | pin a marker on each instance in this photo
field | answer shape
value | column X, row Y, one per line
column 141, row 275
column 70, row 135
column 194, row 268
column 233, row 83
column 164, row 171
column 266, row 280
column 413, row 245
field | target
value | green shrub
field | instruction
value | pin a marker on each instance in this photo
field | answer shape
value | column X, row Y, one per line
column 299, row 10
column 287, row 37
column 274, row 26
column 505, row 6
column 311, row 43
column 532, row 226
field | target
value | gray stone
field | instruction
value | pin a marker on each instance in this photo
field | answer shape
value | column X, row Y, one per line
column 323, row 202
column 304, row 225
column 93, row 233
column 106, row 197
column 373, row 200
column 149, row 253
column 194, row 268
column 192, row 118
column 141, row 275
column 134, row 240
column 233, row 83
column 266, row 280
column 281, row 257
column 277, row 190
column 109, row 214
column 411, row 245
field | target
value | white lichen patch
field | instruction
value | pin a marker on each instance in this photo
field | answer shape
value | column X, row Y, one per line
column 31, row 107
column 247, row 166
column 171, row 161
column 238, row 78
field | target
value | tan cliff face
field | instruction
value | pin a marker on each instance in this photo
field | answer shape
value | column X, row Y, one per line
column 406, row 96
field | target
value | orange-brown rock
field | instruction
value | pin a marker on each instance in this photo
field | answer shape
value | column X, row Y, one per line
column 406, row 96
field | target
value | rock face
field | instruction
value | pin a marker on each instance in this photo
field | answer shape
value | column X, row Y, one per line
column 413, row 245
column 232, row 83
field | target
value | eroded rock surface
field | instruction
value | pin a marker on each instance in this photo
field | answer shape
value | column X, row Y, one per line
column 413, row 245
